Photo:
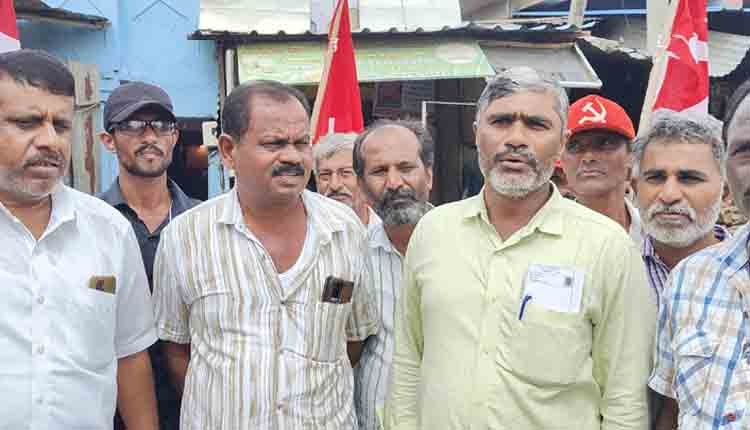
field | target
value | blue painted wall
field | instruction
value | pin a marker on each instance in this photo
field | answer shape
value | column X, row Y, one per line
column 147, row 41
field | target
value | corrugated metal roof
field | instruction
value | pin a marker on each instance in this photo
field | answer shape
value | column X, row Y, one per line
column 37, row 10
column 529, row 31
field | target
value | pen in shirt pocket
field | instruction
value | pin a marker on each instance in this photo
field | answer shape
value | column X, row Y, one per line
column 526, row 299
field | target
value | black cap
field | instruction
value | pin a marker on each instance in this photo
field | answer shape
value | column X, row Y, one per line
column 131, row 97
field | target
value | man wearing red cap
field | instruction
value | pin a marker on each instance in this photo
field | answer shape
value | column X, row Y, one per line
column 597, row 160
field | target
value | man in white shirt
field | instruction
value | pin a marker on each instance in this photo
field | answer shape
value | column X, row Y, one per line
column 262, row 294
column 597, row 160
column 76, row 316
column 393, row 161
column 335, row 177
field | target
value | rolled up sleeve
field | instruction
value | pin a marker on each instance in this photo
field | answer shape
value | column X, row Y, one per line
column 170, row 310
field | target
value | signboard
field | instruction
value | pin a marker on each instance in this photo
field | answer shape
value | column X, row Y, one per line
column 377, row 60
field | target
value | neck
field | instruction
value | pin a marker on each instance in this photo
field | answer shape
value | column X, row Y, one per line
column 399, row 236
column 509, row 215
column 144, row 193
column 671, row 256
column 260, row 211
column 363, row 213
column 34, row 214
column 611, row 205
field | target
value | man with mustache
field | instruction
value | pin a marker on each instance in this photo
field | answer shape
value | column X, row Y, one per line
column 679, row 171
column 703, row 345
column 516, row 309
column 140, row 129
column 76, row 316
column 597, row 160
column 393, row 161
column 261, row 292
column 335, row 177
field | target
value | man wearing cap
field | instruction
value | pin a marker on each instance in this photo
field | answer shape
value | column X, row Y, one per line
column 596, row 160
column 140, row 128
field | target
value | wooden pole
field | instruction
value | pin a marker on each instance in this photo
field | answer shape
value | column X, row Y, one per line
column 577, row 9
column 656, row 17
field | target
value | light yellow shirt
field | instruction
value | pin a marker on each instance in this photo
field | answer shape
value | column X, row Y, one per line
column 464, row 360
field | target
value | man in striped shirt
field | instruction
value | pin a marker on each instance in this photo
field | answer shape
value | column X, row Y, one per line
column 679, row 171
column 258, row 291
column 393, row 161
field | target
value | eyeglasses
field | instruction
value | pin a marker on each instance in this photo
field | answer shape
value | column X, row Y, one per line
column 137, row 127
column 597, row 144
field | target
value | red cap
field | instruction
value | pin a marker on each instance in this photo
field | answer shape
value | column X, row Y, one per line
column 594, row 112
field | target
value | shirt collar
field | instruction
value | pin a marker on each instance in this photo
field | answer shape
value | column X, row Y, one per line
column 378, row 238
column 548, row 219
column 180, row 201
column 324, row 225
column 649, row 251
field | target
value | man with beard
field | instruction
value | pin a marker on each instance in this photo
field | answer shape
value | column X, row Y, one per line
column 393, row 161
column 141, row 130
column 517, row 304
column 335, row 177
column 597, row 160
column 679, row 171
column 76, row 316
column 703, row 345
column 259, row 290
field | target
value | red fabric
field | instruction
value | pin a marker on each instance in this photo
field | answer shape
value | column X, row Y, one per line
column 341, row 99
column 685, row 83
column 8, row 19
column 595, row 112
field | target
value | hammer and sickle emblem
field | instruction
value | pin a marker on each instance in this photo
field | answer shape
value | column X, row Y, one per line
column 596, row 115
column 334, row 46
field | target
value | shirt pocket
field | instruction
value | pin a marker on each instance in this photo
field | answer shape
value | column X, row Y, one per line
column 548, row 347
column 91, row 333
column 694, row 356
column 325, row 336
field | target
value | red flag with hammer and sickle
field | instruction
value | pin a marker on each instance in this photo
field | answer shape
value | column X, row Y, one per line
column 679, row 79
column 338, row 105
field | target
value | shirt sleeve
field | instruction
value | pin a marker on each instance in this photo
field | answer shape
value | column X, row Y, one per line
column 170, row 310
column 364, row 320
column 664, row 370
column 623, row 339
column 401, row 408
column 135, row 318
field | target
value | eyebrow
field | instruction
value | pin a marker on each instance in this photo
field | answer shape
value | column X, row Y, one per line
column 680, row 172
column 515, row 116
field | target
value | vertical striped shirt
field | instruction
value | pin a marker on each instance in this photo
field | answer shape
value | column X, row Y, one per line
column 703, row 342
column 372, row 374
column 656, row 270
column 262, row 357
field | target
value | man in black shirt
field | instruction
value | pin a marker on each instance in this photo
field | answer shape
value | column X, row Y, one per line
column 141, row 130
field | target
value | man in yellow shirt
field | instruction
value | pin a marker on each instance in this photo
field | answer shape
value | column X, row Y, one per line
column 521, row 309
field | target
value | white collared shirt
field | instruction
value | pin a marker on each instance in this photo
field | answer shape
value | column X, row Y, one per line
column 374, row 221
column 263, row 355
column 59, row 338
column 372, row 375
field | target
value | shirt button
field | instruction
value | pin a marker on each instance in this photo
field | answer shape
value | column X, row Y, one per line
column 39, row 401
column 40, row 349
column 40, row 300
column 730, row 417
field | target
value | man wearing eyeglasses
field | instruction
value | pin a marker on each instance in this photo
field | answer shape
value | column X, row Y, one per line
column 597, row 160
column 141, row 130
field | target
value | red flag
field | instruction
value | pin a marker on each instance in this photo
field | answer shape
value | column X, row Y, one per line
column 9, row 40
column 679, row 78
column 338, row 105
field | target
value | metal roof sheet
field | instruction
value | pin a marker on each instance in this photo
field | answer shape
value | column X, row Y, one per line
column 37, row 10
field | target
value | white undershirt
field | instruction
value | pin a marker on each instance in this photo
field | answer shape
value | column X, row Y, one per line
column 305, row 256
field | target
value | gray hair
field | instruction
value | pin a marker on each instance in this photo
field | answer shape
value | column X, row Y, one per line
column 683, row 127
column 426, row 144
column 520, row 79
column 330, row 145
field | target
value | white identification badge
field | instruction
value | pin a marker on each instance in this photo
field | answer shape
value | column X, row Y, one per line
column 553, row 287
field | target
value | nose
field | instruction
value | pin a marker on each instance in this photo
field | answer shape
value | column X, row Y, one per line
column 48, row 137
column 394, row 179
column 335, row 183
column 670, row 193
column 290, row 154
